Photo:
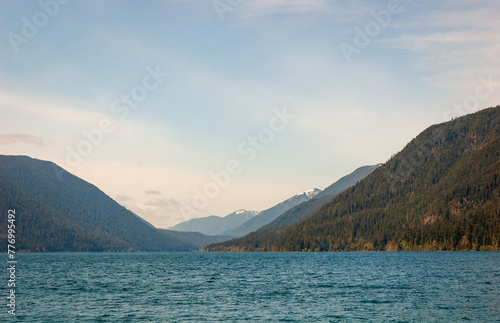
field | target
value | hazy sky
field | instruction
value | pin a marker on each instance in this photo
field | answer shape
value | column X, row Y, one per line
column 146, row 99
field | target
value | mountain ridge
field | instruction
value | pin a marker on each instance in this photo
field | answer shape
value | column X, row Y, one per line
column 215, row 225
column 308, row 208
column 270, row 214
column 313, row 198
column 441, row 192
column 57, row 211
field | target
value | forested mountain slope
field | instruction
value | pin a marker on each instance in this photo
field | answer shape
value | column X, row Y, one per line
column 441, row 192
column 57, row 211
column 308, row 208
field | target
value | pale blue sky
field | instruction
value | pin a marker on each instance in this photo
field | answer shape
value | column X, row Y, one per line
column 225, row 78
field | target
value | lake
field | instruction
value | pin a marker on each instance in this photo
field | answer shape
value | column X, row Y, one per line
column 265, row 287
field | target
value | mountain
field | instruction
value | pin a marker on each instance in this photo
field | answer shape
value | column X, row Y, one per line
column 441, row 192
column 314, row 199
column 308, row 208
column 57, row 211
column 215, row 225
column 270, row 214
column 348, row 180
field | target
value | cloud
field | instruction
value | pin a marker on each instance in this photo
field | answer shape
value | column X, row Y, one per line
column 163, row 202
column 464, row 38
column 162, row 213
column 341, row 10
column 452, row 47
column 123, row 198
column 49, row 109
column 152, row 192
column 271, row 6
column 174, row 202
column 7, row 139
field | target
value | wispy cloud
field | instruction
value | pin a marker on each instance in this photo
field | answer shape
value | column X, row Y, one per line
column 123, row 198
column 8, row 139
column 272, row 6
column 340, row 9
column 226, row 77
column 152, row 192
column 452, row 46
column 163, row 202
column 163, row 212
column 48, row 109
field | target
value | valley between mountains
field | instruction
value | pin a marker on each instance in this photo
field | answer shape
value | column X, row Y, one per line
column 441, row 192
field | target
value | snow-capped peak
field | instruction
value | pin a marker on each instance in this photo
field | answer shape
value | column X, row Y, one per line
column 310, row 193
column 241, row 211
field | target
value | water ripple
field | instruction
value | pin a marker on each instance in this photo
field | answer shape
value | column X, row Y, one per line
column 265, row 287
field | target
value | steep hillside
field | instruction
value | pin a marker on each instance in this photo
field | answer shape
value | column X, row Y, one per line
column 441, row 192
column 308, row 208
column 68, row 214
column 348, row 180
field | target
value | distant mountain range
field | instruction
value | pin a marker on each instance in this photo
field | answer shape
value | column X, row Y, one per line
column 441, row 192
column 215, row 225
column 270, row 214
column 73, row 215
column 294, row 209
column 60, row 212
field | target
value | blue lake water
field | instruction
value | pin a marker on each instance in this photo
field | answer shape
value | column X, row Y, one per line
column 265, row 287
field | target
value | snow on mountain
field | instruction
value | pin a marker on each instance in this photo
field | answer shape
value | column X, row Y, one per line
column 310, row 194
column 266, row 216
column 215, row 225
column 242, row 211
